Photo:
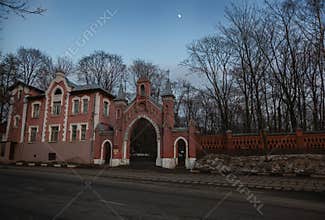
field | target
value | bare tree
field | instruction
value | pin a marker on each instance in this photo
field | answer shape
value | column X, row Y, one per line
column 18, row 7
column 33, row 65
column 140, row 68
column 8, row 76
column 102, row 69
column 210, row 57
column 64, row 65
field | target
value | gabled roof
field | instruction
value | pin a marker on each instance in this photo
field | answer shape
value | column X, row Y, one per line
column 18, row 82
column 75, row 88
column 36, row 96
column 84, row 88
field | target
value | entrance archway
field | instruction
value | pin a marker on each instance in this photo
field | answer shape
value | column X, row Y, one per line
column 106, row 152
column 181, row 151
column 142, row 142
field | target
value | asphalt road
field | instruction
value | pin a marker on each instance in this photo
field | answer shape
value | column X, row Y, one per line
column 45, row 195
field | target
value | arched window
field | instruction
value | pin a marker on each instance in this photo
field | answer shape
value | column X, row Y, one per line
column 143, row 90
column 57, row 96
column 58, row 91
column 106, row 108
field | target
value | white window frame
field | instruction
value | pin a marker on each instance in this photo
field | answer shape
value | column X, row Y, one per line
column 33, row 108
column 57, row 98
column 16, row 119
column 80, row 130
column 108, row 107
column 50, row 133
column 30, row 133
column 19, row 93
column 82, row 103
column 70, row 130
column 73, row 100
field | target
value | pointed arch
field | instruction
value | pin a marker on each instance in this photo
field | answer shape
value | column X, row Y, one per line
column 127, row 137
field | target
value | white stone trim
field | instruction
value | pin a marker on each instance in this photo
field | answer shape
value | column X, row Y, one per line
column 23, row 121
column 102, row 150
column 29, row 131
column 168, row 163
column 108, row 106
column 156, row 127
column 76, row 98
column 78, row 129
column 82, row 103
column 70, row 130
column 56, row 98
column 66, row 114
column 116, row 162
column 186, row 149
column 80, row 124
column 9, row 120
column 96, row 112
column 190, row 162
column 99, row 161
column 14, row 124
column 125, row 162
column 45, row 117
column 50, row 129
column 33, row 108
column 59, row 78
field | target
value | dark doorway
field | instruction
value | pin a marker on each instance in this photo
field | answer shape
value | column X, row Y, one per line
column 108, row 152
column 143, row 144
column 12, row 150
column 181, row 152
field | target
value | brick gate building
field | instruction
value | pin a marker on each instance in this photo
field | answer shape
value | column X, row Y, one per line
column 86, row 124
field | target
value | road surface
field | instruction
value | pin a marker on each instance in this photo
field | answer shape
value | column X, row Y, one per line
column 30, row 194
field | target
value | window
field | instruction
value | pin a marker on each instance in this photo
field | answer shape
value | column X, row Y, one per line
column 105, row 108
column 83, row 132
column 16, row 121
column 74, row 132
column 52, row 156
column 143, row 90
column 54, row 133
column 118, row 113
column 58, row 91
column 33, row 134
column 75, row 106
column 20, row 91
column 56, row 108
column 3, row 149
column 85, row 105
column 36, row 110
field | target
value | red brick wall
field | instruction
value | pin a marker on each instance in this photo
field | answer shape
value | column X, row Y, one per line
column 298, row 142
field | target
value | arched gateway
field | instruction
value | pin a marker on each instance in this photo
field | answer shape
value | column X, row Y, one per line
column 145, row 130
column 128, row 139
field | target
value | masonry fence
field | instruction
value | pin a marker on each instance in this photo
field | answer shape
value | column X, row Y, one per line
column 264, row 143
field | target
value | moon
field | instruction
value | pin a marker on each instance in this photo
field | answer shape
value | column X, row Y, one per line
column 179, row 15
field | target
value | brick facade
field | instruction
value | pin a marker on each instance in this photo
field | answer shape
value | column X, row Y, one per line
column 80, row 124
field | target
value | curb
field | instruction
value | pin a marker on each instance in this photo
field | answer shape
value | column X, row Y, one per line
column 191, row 182
column 57, row 165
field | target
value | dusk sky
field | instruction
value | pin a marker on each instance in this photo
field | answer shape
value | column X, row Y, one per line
column 157, row 31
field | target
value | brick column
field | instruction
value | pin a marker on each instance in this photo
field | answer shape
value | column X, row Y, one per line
column 229, row 144
column 300, row 139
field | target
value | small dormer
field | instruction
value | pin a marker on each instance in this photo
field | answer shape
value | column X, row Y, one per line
column 143, row 87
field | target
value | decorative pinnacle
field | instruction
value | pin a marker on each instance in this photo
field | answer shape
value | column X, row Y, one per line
column 168, row 89
column 120, row 94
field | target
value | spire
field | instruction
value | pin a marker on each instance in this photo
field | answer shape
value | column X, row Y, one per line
column 120, row 94
column 168, row 89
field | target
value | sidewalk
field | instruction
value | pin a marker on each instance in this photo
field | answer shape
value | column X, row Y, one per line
column 278, row 183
